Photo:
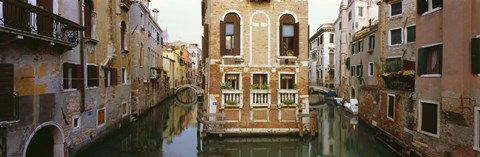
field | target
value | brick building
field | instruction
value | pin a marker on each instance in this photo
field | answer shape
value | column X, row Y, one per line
column 257, row 65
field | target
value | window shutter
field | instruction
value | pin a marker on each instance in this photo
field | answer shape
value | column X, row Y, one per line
column 6, row 78
column 280, row 46
column 296, row 39
column 78, row 76
column 440, row 58
column 222, row 38
column 65, row 76
column 422, row 6
column 476, row 56
column 105, row 77
column 114, row 76
column 422, row 61
column 237, row 36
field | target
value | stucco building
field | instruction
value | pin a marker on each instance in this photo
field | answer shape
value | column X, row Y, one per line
column 257, row 66
column 447, row 82
column 321, row 56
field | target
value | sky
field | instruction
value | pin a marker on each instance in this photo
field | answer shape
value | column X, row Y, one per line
column 182, row 18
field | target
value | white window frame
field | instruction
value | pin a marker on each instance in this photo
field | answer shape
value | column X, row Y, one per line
column 371, row 71
column 369, row 42
column 406, row 33
column 253, row 73
column 360, row 11
column 390, row 36
column 79, row 122
column 280, row 79
column 109, row 77
column 98, row 84
column 124, row 76
column 127, row 109
column 430, row 8
column 476, row 141
column 104, row 116
column 240, row 86
column 390, row 10
column 419, row 117
column 388, row 106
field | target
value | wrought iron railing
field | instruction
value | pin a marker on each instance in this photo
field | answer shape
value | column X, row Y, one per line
column 9, row 106
column 26, row 19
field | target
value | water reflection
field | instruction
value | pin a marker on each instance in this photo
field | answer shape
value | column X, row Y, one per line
column 171, row 130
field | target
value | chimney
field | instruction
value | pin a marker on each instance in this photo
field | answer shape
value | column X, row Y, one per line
column 155, row 14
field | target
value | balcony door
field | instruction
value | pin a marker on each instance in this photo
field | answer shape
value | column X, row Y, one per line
column 45, row 24
column 15, row 17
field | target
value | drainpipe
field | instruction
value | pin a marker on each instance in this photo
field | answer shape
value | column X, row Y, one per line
column 82, row 57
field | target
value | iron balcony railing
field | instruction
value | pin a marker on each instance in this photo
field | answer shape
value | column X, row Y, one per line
column 24, row 19
column 8, row 106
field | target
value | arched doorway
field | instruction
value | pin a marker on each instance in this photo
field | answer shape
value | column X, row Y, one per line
column 46, row 141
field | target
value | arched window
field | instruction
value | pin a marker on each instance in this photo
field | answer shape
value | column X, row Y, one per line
column 87, row 17
column 289, row 31
column 230, row 35
column 123, row 30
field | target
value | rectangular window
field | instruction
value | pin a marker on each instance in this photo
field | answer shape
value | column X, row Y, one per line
column 476, row 139
column 395, row 36
column 318, row 42
column 287, row 81
column 230, row 37
column 476, row 56
column 321, row 39
column 288, row 37
column 340, row 25
column 124, row 109
column 370, row 69
column 332, row 38
column 360, row 11
column 110, row 75
column 349, row 15
column 71, row 76
column 234, row 79
column 393, row 64
column 76, row 122
column 360, row 46
column 124, row 75
column 359, row 70
column 371, row 41
column 396, row 8
column 428, row 5
column 101, row 117
column 92, row 76
column 428, row 119
column 353, row 49
column 260, row 79
column 352, row 71
column 430, row 60
column 411, row 34
column 391, row 107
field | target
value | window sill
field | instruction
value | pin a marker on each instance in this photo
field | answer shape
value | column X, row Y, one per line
column 99, row 126
column 395, row 45
column 230, row 56
column 429, row 134
column 431, row 76
column 413, row 42
column 432, row 11
column 287, row 57
column 90, row 88
column 395, row 16
column 476, row 148
column 69, row 90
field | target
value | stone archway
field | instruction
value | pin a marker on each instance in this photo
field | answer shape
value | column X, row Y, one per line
column 46, row 141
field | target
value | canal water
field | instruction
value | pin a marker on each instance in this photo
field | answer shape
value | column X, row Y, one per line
column 170, row 130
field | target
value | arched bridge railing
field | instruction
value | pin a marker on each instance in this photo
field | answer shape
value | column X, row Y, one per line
column 196, row 88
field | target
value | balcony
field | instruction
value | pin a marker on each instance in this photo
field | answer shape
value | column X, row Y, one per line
column 402, row 80
column 9, row 106
column 19, row 19
column 287, row 98
column 232, row 98
column 260, row 98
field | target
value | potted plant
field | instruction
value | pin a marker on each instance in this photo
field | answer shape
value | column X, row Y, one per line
column 265, row 86
column 288, row 102
column 226, row 85
column 290, row 53
column 255, row 86
column 232, row 102
column 287, row 52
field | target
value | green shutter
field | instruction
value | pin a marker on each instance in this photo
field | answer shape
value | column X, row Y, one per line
column 476, row 56
column 422, row 6
column 440, row 58
column 422, row 61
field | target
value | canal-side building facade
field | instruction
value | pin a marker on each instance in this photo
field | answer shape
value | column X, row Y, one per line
column 354, row 15
column 447, row 82
column 257, row 75
column 321, row 56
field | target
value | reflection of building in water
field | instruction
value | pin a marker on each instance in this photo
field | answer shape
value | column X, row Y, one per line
column 256, row 147
column 180, row 116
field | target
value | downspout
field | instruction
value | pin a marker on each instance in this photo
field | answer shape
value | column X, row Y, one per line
column 82, row 57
